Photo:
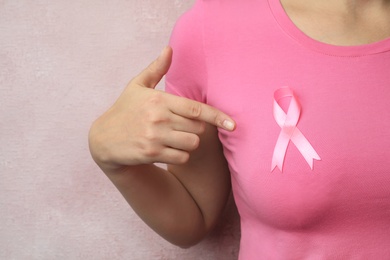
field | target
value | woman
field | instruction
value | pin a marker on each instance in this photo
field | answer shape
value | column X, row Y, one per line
column 302, row 140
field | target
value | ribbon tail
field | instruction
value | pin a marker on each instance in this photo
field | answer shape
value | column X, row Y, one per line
column 280, row 151
column 276, row 163
column 305, row 147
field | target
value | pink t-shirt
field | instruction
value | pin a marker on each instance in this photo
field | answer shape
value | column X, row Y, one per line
column 234, row 55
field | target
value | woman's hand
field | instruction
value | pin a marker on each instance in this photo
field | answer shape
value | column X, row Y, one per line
column 147, row 125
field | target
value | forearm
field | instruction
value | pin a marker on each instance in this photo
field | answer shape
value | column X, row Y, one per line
column 159, row 198
column 145, row 126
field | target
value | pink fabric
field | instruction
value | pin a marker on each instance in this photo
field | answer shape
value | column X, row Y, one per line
column 234, row 55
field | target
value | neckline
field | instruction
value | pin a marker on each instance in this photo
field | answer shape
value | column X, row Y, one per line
column 288, row 26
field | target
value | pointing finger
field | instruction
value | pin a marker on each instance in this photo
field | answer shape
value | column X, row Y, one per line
column 195, row 110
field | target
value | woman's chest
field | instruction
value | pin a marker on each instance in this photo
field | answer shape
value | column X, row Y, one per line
column 344, row 116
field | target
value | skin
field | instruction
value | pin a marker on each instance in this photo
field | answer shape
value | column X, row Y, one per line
column 341, row 22
column 144, row 126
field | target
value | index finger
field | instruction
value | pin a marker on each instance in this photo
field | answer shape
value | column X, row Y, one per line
column 196, row 110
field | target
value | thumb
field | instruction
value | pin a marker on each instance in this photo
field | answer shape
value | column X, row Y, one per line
column 152, row 75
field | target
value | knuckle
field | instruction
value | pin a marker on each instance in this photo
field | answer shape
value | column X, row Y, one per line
column 195, row 110
column 202, row 127
column 148, row 143
column 151, row 136
column 217, row 119
column 182, row 158
column 154, row 111
column 193, row 142
column 156, row 98
column 154, row 119
column 150, row 151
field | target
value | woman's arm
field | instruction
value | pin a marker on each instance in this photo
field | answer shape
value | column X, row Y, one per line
column 145, row 126
column 184, row 203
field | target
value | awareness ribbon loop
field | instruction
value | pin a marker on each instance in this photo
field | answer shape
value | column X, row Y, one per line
column 289, row 131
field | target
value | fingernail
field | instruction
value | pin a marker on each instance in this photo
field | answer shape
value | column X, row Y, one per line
column 228, row 125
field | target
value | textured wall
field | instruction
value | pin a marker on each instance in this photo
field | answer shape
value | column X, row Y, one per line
column 62, row 63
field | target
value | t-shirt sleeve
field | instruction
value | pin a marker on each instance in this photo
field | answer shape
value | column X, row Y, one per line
column 187, row 76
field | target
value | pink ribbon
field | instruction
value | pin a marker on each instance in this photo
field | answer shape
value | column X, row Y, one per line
column 289, row 131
